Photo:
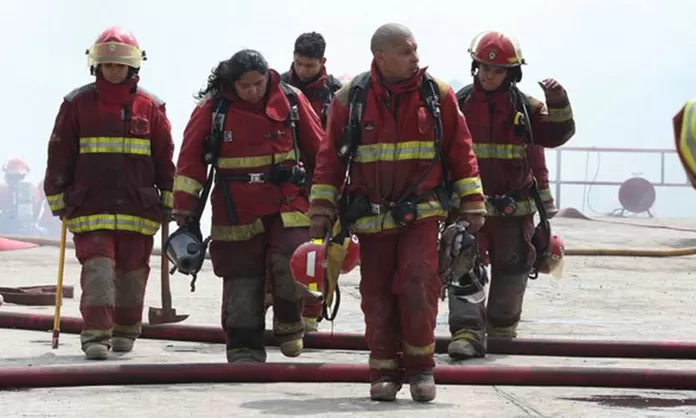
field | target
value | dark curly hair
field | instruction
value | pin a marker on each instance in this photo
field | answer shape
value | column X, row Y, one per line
column 231, row 70
column 310, row 45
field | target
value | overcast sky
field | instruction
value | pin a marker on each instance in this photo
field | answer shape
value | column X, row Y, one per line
column 627, row 65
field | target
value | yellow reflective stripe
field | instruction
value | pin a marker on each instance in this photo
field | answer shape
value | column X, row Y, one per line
column 252, row 162
column 113, row 222
column 187, row 185
column 524, row 207
column 410, row 150
column 376, row 223
column 56, row 202
column 500, row 151
column 114, row 145
column 563, row 114
column 546, row 195
column 323, row 191
column 383, row 364
column 468, row 186
column 426, row 350
column 294, row 219
column 167, row 199
column 236, row 232
column 687, row 139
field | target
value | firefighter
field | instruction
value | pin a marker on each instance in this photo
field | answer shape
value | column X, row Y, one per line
column 259, row 204
column 393, row 201
column 109, row 175
column 496, row 119
column 17, row 199
column 308, row 73
column 685, row 139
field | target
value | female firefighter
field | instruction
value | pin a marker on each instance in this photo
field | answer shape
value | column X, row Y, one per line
column 269, row 137
column 493, row 107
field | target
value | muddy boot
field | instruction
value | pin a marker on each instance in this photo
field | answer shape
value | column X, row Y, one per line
column 292, row 348
column 503, row 332
column 384, row 389
column 96, row 351
column 246, row 355
column 423, row 387
column 467, row 344
column 122, row 344
column 311, row 324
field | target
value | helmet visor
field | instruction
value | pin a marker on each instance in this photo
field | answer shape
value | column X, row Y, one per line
column 115, row 53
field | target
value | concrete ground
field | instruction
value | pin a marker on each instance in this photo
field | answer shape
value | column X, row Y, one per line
column 598, row 298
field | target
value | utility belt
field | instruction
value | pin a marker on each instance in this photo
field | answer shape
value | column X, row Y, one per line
column 507, row 204
column 404, row 211
column 278, row 175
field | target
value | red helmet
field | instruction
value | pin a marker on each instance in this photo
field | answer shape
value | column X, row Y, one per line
column 309, row 259
column 16, row 166
column 116, row 46
column 307, row 267
column 495, row 48
column 552, row 259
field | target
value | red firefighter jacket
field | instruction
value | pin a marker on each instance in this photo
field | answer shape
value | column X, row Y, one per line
column 256, row 137
column 397, row 146
column 110, row 159
column 500, row 145
column 319, row 91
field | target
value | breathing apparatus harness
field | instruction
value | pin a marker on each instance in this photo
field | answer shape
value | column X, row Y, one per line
column 506, row 204
column 186, row 247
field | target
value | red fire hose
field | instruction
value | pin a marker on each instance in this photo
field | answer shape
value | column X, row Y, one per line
column 348, row 341
column 143, row 374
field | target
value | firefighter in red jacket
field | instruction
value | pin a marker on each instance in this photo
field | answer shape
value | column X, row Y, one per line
column 398, row 226
column 308, row 73
column 259, row 202
column 494, row 113
column 109, row 175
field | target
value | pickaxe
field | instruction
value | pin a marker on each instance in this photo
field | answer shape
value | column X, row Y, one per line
column 165, row 315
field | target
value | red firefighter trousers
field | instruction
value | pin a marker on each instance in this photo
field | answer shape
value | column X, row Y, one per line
column 505, row 242
column 399, row 288
column 243, row 265
column 115, row 270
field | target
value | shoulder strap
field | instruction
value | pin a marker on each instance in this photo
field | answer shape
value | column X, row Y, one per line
column 285, row 77
column 463, row 94
column 294, row 115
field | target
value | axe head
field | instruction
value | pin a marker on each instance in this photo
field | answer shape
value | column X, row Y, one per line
column 158, row 316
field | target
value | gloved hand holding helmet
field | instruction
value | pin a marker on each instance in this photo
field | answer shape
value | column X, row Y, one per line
column 460, row 265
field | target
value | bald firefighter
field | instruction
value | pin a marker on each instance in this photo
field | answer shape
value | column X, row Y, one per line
column 685, row 138
column 497, row 112
column 400, row 136
column 109, row 175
